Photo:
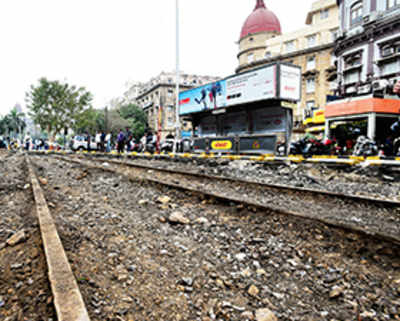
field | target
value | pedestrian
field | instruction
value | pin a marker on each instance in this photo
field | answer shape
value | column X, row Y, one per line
column 98, row 141
column 103, row 141
column 128, row 138
column 120, row 141
column 27, row 141
column 108, row 142
column 88, row 139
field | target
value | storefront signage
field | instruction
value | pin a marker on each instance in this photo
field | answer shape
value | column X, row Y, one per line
column 221, row 144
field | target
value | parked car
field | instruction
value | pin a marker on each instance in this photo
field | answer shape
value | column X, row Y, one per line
column 80, row 143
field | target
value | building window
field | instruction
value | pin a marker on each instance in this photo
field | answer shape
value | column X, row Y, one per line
column 352, row 60
column 250, row 58
column 311, row 41
column 389, row 68
column 289, row 46
column 392, row 3
column 251, row 39
column 352, row 77
column 311, row 63
column 170, row 109
column 324, row 14
column 310, row 85
column 170, row 121
column 310, row 104
column 268, row 54
column 356, row 12
column 170, row 92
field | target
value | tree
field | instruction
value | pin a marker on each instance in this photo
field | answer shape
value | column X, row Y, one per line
column 54, row 105
column 91, row 120
column 15, row 122
column 136, row 117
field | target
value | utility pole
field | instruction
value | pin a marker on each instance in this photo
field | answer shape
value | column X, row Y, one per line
column 177, row 123
column 106, row 119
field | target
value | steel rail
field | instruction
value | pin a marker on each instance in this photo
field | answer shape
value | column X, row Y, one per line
column 363, row 198
column 220, row 196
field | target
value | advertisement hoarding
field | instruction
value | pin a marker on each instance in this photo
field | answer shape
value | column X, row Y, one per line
column 251, row 86
column 277, row 81
column 203, row 98
column 290, row 83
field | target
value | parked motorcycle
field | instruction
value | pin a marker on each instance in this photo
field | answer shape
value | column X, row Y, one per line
column 365, row 147
column 167, row 146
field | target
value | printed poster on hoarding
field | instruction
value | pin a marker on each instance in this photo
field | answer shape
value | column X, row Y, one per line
column 269, row 120
column 290, row 83
column 252, row 86
column 208, row 97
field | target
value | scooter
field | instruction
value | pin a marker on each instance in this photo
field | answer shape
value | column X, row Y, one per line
column 167, row 145
column 365, row 147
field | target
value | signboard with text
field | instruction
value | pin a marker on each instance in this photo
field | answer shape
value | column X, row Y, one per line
column 276, row 81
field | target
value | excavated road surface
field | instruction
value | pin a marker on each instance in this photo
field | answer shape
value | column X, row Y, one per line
column 24, row 288
column 133, row 261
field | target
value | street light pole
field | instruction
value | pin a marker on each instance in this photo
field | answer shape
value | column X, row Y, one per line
column 177, row 123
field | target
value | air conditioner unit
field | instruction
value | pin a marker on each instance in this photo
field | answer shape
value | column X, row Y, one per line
column 380, row 84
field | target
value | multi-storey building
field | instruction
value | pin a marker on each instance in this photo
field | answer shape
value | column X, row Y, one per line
column 157, row 97
column 368, row 56
column 368, row 49
column 311, row 48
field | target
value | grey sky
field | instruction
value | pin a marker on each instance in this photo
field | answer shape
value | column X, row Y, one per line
column 101, row 44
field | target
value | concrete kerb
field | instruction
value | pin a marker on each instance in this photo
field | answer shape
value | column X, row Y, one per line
column 68, row 300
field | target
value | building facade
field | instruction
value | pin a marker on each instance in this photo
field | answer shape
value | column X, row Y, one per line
column 311, row 48
column 368, row 56
column 157, row 97
column 368, row 48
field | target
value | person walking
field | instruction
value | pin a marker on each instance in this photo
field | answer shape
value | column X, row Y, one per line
column 88, row 139
column 128, row 139
column 108, row 142
column 27, row 141
column 103, row 141
column 98, row 141
column 120, row 142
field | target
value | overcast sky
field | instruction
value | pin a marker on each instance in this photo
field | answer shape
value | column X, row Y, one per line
column 102, row 44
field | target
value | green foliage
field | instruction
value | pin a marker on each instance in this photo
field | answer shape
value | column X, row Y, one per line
column 54, row 105
column 13, row 122
column 91, row 121
column 136, row 117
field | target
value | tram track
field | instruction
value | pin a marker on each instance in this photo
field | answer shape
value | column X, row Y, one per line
column 132, row 264
column 373, row 216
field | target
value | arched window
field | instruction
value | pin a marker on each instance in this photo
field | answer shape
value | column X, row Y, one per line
column 356, row 13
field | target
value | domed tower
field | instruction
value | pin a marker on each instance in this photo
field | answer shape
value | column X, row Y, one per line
column 261, row 25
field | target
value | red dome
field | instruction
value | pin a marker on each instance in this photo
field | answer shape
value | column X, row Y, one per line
column 261, row 19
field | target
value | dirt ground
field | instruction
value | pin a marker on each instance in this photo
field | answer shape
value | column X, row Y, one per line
column 133, row 261
column 24, row 287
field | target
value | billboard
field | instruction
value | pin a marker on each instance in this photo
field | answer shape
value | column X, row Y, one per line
column 277, row 81
column 290, row 83
column 208, row 97
column 251, row 86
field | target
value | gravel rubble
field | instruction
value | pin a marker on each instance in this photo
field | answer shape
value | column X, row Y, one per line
column 145, row 252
